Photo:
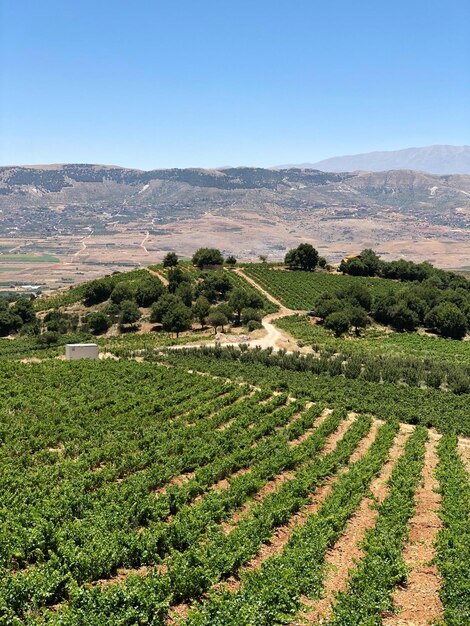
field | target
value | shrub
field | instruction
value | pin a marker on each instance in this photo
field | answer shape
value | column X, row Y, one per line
column 98, row 322
column 170, row 259
column 207, row 257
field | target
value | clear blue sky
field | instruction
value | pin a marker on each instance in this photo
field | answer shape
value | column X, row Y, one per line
column 151, row 83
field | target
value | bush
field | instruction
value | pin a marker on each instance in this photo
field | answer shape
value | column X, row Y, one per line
column 98, row 322
column 48, row 338
column 170, row 259
column 253, row 325
column 447, row 319
column 338, row 322
column 304, row 257
column 207, row 257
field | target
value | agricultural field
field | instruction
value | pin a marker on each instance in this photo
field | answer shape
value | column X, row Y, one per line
column 377, row 341
column 178, row 497
column 235, row 486
column 299, row 290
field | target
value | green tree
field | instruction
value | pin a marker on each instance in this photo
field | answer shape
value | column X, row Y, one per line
column 177, row 319
column 238, row 300
column 217, row 319
column 148, row 291
column 372, row 262
column 354, row 266
column 24, row 309
column 358, row 318
column 130, row 313
column 59, row 322
column 176, row 277
column 201, row 309
column 231, row 261
column 98, row 322
column 170, row 259
column 249, row 314
column 185, row 292
column 122, row 291
column 214, row 286
column 357, row 295
column 207, row 257
column 448, row 320
column 304, row 257
column 339, row 322
column 403, row 318
column 225, row 309
column 97, row 291
column 9, row 323
column 327, row 304
column 167, row 302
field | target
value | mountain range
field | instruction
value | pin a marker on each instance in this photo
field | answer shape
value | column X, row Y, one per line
column 432, row 159
column 90, row 216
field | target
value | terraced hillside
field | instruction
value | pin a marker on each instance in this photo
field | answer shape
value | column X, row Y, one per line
column 149, row 493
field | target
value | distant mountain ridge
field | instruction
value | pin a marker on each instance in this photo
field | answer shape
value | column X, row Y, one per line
column 437, row 159
column 38, row 199
column 97, row 214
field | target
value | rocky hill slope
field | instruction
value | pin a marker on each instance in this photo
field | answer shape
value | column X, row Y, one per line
column 68, row 196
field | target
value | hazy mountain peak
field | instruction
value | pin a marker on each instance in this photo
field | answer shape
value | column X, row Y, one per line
column 439, row 159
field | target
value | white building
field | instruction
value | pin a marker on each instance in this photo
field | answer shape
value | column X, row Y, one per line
column 75, row 351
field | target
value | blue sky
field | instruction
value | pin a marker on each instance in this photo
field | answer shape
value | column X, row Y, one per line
column 201, row 83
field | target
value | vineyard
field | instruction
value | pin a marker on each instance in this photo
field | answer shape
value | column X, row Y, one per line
column 299, row 290
column 193, row 490
column 376, row 341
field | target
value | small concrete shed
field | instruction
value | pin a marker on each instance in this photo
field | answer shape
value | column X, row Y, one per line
column 76, row 351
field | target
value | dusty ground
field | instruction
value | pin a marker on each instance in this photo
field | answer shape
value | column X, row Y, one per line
column 130, row 245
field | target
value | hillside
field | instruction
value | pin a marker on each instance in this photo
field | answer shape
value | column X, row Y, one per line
column 170, row 485
column 60, row 223
column 432, row 159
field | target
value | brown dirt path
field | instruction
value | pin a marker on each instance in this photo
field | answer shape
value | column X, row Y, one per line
column 418, row 602
column 342, row 556
column 266, row 294
column 464, row 451
column 282, row 535
column 158, row 275
column 273, row 484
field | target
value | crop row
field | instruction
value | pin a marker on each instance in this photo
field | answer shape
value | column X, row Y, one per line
column 271, row 594
column 382, row 568
column 198, row 550
column 374, row 341
column 107, row 532
column 453, row 547
column 427, row 407
column 300, row 290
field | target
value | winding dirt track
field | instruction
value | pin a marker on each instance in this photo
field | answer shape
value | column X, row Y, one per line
column 158, row 275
